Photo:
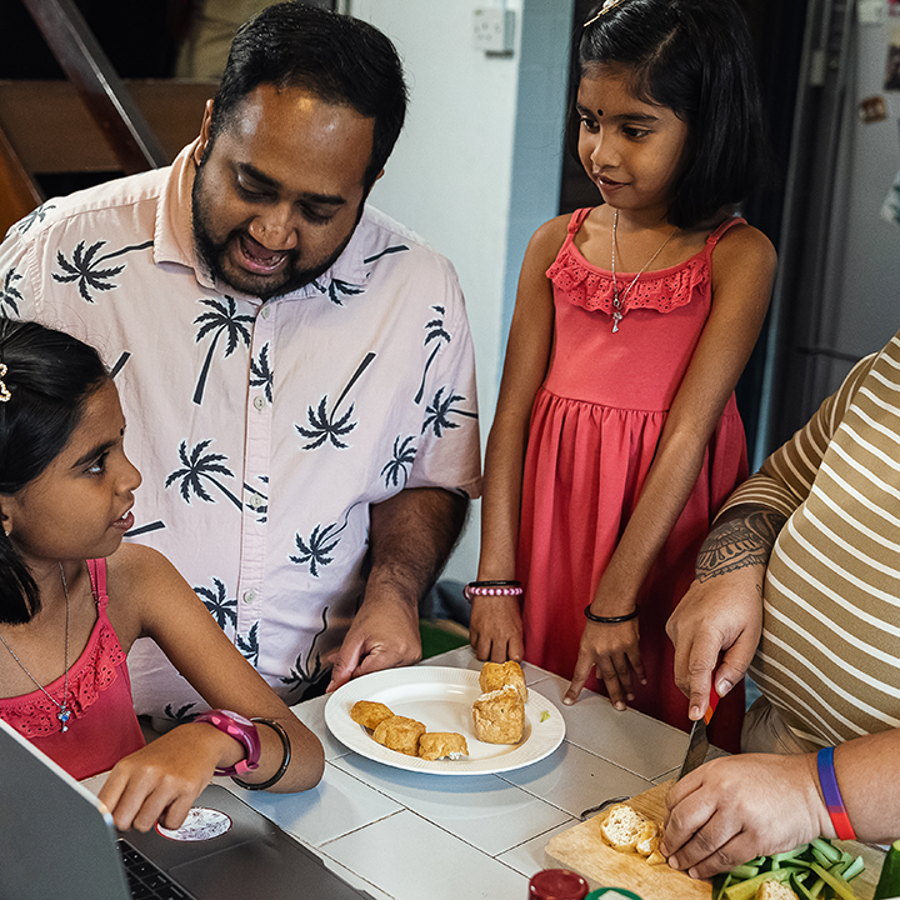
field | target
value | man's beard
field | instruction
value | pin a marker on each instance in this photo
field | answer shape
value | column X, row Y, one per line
column 211, row 254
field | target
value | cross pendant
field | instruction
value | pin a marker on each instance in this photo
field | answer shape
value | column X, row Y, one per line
column 617, row 317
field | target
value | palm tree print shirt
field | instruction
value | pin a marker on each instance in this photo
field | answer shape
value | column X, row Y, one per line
column 262, row 431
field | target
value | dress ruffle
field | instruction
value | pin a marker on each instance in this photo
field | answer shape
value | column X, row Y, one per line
column 34, row 715
column 592, row 289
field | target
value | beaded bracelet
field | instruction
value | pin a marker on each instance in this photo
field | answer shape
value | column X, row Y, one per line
column 834, row 802
column 611, row 620
column 285, row 760
column 492, row 589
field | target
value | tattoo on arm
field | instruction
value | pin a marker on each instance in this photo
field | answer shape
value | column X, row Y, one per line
column 745, row 539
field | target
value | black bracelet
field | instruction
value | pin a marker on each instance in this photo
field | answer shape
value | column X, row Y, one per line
column 285, row 761
column 611, row 620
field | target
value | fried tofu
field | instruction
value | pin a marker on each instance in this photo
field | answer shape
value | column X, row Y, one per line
column 497, row 675
column 499, row 716
column 441, row 744
column 369, row 714
column 400, row 733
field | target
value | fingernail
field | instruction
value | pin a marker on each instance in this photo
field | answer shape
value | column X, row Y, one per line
column 694, row 713
column 723, row 687
column 620, row 706
column 629, row 697
column 567, row 701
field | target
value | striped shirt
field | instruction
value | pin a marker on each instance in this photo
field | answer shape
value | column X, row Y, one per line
column 829, row 657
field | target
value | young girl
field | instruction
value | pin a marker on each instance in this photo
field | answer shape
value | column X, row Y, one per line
column 616, row 436
column 73, row 600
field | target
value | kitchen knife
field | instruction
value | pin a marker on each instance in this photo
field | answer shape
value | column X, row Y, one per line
column 698, row 746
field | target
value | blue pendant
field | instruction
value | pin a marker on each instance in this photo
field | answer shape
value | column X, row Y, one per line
column 64, row 715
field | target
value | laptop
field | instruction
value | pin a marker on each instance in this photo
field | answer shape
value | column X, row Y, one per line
column 57, row 840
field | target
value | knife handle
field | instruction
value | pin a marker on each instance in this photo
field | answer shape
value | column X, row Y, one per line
column 713, row 701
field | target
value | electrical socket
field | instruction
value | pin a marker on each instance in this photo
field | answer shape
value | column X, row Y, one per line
column 492, row 30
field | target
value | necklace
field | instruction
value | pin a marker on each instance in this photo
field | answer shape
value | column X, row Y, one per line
column 64, row 713
column 619, row 300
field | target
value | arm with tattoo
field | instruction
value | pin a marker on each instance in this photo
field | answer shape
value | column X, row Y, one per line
column 743, row 536
column 722, row 612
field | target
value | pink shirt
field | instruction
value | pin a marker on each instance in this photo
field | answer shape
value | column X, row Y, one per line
column 262, row 431
column 103, row 727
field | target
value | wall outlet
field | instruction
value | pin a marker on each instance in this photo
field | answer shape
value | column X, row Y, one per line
column 493, row 30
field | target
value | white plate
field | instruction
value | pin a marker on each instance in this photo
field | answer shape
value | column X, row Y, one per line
column 441, row 698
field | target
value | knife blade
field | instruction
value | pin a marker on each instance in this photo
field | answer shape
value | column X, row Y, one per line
column 698, row 746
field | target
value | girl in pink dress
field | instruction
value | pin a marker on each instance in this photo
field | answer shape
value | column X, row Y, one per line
column 616, row 436
column 73, row 599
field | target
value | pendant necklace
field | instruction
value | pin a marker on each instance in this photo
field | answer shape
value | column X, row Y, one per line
column 64, row 713
column 619, row 300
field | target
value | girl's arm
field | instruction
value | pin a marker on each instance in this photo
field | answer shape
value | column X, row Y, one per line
column 161, row 781
column 742, row 272
column 496, row 625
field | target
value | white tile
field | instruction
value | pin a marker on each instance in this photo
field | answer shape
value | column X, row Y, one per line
column 480, row 809
column 338, row 805
column 411, row 859
column 573, row 779
column 530, row 857
column 312, row 715
column 627, row 738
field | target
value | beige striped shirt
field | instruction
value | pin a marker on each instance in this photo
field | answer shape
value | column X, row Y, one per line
column 829, row 658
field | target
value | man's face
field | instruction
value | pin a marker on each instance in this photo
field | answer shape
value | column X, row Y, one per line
column 279, row 193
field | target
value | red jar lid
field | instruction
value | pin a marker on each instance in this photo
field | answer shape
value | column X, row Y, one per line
column 557, row 884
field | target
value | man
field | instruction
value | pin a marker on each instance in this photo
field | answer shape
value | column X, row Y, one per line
column 800, row 582
column 296, row 369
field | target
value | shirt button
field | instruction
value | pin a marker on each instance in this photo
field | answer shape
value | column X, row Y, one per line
column 259, row 402
column 249, row 596
column 265, row 312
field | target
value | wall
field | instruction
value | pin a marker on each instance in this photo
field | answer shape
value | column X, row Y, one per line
column 477, row 168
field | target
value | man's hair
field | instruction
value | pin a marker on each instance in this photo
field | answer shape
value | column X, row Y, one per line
column 694, row 57
column 341, row 59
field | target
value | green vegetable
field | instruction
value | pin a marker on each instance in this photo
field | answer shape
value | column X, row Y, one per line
column 545, row 715
column 889, row 882
column 814, row 871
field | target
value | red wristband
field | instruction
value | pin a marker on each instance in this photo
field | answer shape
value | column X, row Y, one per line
column 834, row 802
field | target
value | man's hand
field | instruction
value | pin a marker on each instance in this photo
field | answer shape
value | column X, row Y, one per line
column 384, row 634
column 410, row 537
column 722, row 611
column 732, row 809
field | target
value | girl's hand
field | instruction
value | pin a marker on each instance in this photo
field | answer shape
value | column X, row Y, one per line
column 495, row 629
column 613, row 652
column 159, row 782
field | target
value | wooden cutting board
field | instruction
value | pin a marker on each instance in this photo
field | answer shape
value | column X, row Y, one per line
column 583, row 850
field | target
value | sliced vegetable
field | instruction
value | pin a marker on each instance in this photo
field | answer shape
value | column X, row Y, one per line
column 814, row 871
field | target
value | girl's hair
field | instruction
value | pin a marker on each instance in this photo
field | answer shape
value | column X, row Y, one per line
column 694, row 57
column 48, row 376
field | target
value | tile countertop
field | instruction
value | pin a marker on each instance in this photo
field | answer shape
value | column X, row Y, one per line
column 402, row 835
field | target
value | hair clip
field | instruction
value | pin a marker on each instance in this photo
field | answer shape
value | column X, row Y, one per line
column 4, row 391
column 609, row 5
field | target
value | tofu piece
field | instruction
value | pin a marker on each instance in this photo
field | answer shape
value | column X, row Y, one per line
column 442, row 744
column 497, row 675
column 775, row 890
column 400, row 733
column 369, row 714
column 499, row 716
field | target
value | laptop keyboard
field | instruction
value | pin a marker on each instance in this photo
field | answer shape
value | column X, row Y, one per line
column 145, row 879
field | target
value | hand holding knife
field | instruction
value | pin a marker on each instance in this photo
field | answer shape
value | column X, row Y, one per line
column 698, row 746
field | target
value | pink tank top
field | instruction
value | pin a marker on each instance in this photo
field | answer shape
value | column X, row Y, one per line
column 103, row 727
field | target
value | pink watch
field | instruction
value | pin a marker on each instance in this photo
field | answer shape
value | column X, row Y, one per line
column 241, row 729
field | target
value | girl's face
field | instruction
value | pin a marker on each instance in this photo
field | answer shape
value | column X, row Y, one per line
column 632, row 150
column 79, row 506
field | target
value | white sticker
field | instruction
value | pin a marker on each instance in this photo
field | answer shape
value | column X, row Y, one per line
column 201, row 824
